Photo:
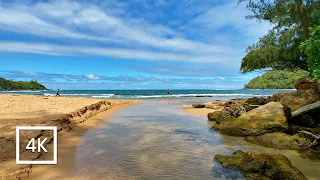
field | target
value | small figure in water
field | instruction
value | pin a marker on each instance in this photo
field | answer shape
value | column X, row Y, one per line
column 68, row 92
column 168, row 91
column 58, row 92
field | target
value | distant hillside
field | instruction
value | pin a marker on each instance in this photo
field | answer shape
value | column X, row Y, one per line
column 19, row 85
column 276, row 79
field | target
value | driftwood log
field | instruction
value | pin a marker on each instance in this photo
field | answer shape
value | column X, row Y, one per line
column 306, row 108
column 316, row 137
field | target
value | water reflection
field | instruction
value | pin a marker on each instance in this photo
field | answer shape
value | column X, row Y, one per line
column 158, row 141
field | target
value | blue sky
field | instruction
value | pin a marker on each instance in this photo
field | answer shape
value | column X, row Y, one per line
column 120, row 44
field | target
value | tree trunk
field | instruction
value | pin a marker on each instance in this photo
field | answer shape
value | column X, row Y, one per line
column 306, row 108
column 303, row 13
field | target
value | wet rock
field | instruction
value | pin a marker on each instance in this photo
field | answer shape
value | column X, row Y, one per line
column 306, row 84
column 198, row 105
column 257, row 101
column 305, row 120
column 295, row 100
column 280, row 140
column 264, row 119
column 261, row 166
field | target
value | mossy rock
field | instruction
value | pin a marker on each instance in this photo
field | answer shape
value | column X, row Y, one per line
column 249, row 107
column 264, row 119
column 198, row 105
column 257, row 101
column 261, row 166
column 280, row 140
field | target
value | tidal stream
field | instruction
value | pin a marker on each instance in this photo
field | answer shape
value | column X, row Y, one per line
column 157, row 140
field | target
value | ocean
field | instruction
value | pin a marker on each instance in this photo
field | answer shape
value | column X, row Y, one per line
column 155, row 94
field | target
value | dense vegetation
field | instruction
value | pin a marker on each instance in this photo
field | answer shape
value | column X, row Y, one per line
column 279, row 49
column 311, row 47
column 19, row 85
column 276, row 79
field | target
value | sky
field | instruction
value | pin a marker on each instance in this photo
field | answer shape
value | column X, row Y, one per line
column 122, row 44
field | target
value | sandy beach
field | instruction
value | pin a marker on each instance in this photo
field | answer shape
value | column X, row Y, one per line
column 72, row 116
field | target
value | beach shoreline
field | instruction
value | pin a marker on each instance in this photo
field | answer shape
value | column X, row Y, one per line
column 73, row 116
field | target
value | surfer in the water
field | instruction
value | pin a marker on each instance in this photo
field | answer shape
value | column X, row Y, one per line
column 168, row 91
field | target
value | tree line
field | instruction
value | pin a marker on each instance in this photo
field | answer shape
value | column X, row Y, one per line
column 9, row 85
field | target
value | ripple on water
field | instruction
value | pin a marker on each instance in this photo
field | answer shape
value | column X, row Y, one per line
column 157, row 141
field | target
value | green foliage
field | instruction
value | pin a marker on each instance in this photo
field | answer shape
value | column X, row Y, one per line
column 279, row 49
column 20, row 85
column 311, row 47
column 276, row 79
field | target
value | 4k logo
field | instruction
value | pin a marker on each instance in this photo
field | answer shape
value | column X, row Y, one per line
column 36, row 145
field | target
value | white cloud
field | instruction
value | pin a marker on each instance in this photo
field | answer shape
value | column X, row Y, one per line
column 59, row 50
column 221, row 78
column 92, row 77
column 38, row 20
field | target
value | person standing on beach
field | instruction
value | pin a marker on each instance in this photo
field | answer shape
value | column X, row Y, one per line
column 168, row 91
column 58, row 92
column 68, row 92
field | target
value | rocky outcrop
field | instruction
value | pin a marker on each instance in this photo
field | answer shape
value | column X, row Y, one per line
column 257, row 101
column 306, row 84
column 307, row 93
column 231, row 109
column 295, row 100
column 261, row 166
column 281, row 140
column 264, row 119
column 305, row 120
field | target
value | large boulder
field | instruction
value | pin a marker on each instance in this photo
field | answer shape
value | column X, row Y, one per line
column 264, row 119
column 257, row 101
column 306, row 84
column 261, row 166
column 295, row 100
column 280, row 140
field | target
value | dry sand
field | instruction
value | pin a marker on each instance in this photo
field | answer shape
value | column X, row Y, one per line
column 72, row 116
column 210, row 107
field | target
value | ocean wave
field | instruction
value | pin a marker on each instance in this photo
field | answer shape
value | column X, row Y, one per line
column 103, row 96
column 23, row 91
column 193, row 95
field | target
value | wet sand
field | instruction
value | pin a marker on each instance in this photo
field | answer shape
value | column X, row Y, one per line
column 72, row 116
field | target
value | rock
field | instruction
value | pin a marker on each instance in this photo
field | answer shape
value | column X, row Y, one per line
column 295, row 100
column 305, row 120
column 219, row 116
column 234, row 109
column 198, row 105
column 249, row 107
column 306, row 84
column 281, row 140
column 264, row 119
column 257, row 101
column 261, row 166
column 231, row 109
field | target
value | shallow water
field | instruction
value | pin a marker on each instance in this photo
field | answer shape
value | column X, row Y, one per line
column 157, row 140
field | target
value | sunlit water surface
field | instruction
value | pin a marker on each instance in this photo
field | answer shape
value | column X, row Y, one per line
column 157, row 140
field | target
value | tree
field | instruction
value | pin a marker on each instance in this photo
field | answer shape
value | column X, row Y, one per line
column 279, row 49
column 311, row 47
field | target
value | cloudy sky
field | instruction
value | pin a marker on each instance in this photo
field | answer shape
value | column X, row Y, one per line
column 122, row 44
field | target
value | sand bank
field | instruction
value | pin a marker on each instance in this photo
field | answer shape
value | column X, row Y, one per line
column 72, row 116
column 210, row 107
